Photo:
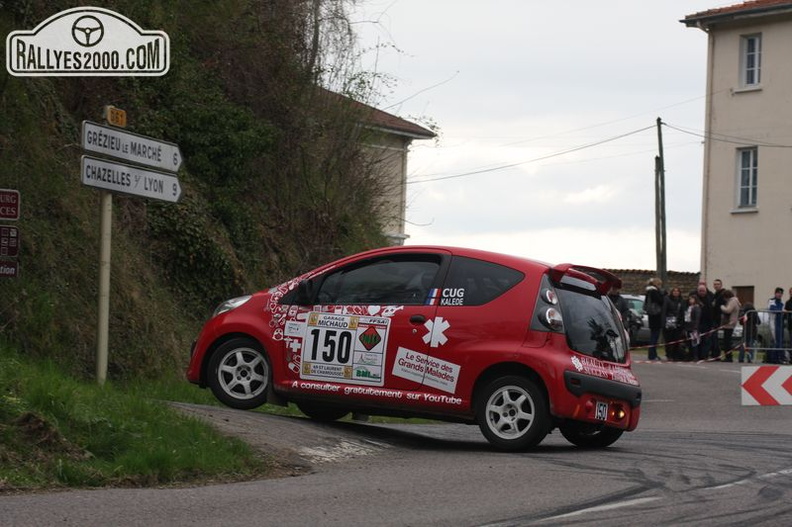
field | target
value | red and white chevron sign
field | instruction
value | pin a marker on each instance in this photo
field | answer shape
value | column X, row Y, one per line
column 766, row 385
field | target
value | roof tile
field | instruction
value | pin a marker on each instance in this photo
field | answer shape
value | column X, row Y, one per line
column 738, row 8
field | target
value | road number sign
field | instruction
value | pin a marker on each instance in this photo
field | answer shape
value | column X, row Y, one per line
column 115, row 116
column 126, row 179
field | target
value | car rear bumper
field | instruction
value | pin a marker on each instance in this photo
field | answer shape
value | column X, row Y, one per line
column 623, row 401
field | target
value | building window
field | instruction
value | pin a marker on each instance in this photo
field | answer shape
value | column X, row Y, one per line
column 751, row 60
column 748, row 159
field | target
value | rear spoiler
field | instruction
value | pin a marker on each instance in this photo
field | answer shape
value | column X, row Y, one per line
column 602, row 280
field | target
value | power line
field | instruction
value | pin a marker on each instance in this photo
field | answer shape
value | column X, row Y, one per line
column 727, row 138
column 534, row 160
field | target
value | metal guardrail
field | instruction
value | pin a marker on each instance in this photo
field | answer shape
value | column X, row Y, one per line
column 766, row 333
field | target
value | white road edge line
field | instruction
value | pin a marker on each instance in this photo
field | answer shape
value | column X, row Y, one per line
column 600, row 508
column 749, row 480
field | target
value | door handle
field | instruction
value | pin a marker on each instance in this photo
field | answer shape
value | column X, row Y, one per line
column 417, row 319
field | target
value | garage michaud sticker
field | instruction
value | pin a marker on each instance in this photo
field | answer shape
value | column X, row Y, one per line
column 87, row 41
column 344, row 348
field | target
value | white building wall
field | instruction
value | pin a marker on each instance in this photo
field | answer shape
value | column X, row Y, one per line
column 747, row 247
column 388, row 156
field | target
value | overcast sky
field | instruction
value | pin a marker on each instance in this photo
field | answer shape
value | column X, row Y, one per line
column 547, row 87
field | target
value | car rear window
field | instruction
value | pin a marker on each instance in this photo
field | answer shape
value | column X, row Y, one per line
column 592, row 325
column 472, row 282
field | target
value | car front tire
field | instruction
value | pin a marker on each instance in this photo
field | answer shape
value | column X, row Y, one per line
column 239, row 374
column 512, row 413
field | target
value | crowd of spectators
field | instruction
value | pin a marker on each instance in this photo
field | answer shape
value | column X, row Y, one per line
column 701, row 325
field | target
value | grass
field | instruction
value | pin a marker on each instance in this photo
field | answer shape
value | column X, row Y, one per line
column 57, row 432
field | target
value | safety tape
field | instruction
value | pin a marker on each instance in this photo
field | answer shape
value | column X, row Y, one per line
column 702, row 335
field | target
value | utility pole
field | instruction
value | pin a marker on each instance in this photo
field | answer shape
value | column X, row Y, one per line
column 660, row 224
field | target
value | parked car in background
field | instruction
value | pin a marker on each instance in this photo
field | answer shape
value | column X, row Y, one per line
column 737, row 336
column 516, row 346
column 638, row 323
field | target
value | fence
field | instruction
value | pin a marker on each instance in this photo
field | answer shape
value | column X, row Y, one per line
column 765, row 332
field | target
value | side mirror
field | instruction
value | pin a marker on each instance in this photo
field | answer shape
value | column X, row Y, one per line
column 303, row 296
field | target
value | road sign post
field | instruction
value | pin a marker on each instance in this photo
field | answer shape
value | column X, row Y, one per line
column 103, row 324
column 112, row 176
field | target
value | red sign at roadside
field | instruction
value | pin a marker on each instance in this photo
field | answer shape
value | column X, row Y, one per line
column 766, row 385
column 9, row 204
column 9, row 269
column 9, row 242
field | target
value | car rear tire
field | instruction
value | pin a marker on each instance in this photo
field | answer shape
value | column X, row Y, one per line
column 588, row 435
column 239, row 374
column 322, row 412
column 512, row 413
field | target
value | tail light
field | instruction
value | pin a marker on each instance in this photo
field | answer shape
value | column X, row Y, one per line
column 547, row 311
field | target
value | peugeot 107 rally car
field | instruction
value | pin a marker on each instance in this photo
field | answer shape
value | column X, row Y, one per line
column 516, row 346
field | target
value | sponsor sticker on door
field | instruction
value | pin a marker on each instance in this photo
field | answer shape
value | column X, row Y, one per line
column 344, row 348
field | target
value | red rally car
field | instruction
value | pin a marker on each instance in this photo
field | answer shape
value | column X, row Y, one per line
column 517, row 346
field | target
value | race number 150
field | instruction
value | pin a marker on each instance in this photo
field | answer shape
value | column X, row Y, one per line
column 330, row 345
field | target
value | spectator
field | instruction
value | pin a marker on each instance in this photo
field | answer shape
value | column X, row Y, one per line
column 788, row 314
column 750, row 319
column 653, row 305
column 705, row 298
column 674, row 318
column 731, row 312
column 692, row 324
column 694, row 291
column 620, row 303
column 718, row 301
column 776, row 355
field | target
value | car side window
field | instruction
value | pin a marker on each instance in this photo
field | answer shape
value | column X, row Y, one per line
column 472, row 282
column 393, row 280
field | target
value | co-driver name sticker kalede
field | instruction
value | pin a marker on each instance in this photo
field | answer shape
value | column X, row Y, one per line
column 87, row 41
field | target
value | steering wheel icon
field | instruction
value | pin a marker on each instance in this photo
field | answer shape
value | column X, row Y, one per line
column 87, row 31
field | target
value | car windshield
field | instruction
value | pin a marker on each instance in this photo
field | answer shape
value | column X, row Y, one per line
column 592, row 325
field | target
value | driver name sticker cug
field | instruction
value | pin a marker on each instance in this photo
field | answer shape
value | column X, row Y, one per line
column 344, row 348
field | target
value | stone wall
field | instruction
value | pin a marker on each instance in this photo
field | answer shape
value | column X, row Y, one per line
column 634, row 280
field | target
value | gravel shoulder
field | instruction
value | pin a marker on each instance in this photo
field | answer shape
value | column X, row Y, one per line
column 296, row 445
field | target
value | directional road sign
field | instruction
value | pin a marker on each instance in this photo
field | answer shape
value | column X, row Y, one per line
column 131, row 147
column 766, row 385
column 126, row 179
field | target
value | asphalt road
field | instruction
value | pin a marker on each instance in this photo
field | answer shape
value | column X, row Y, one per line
column 698, row 458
